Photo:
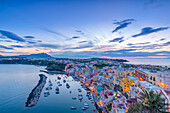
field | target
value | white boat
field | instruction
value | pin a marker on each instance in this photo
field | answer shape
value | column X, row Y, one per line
column 83, row 108
column 73, row 108
column 80, row 97
column 85, row 104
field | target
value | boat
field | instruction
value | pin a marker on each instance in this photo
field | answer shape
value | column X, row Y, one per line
column 67, row 85
column 80, row 97
column 70, row 91
column 58, row 78
column 46, row 94
column 58, row 82
column 60, row 85
column 79, row 90
column 57, row 90
column 85, row 104
column 73, row 108
column 49, row 88
column 64, row 81
column 50, row 84
column 74, row 98
column 83, row 108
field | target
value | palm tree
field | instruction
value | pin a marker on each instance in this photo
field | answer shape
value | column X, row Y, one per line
column 135, row 108
column 150, row 102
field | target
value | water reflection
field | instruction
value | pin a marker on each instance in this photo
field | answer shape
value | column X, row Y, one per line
column 35, row 93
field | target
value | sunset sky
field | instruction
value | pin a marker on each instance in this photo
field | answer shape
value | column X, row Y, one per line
column 86, row 28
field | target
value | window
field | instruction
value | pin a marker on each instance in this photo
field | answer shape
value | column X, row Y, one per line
column 151, row 77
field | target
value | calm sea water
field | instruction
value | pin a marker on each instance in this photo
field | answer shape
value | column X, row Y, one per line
column 162, row 62
column 17, row 82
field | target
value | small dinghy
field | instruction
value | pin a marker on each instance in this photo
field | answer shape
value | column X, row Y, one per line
column 67, row 85
column 80, row 97
column 46, row 94
column 58, row 78
column 74, row 98
column 57, row 90
column 64, row 81
column 79, row 90
column 60, row 85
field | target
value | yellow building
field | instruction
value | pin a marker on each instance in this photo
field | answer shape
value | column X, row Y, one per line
column 152, row 78
column 127, row 82
column 95, row 79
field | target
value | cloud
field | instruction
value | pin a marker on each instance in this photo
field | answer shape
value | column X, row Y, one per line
column 17, row 46
column 79, row 31
column 162, row 39
column 31, row 42
column 56, row 33
column 4, row 47
column 121, row 50
column 124, row 21
column 75, row 37
column 151, row 46
column 166, row 44
column 83, row 41
column 120, row 39
column 122, row 24
column 53, row 46
column 5, row 41
column 130, row 44
column 30, row 37
column 149, row 30
column 12, row 36
column 124, row 53
column 88, row 45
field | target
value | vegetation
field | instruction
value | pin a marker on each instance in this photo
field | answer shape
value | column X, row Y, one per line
column 109, row 107
column 150, row 103
column 102, row 65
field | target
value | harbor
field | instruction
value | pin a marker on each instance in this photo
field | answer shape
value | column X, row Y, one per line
column 26, row 78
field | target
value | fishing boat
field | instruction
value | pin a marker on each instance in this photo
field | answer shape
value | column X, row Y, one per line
column 57, row 90
column 67, row 85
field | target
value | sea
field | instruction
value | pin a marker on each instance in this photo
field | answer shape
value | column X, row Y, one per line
column 17, row 82
column 161, row 62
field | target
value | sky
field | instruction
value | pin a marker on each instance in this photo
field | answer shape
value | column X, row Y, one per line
column 127, row 29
